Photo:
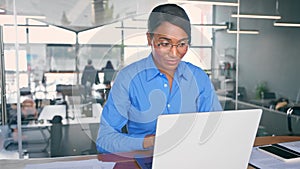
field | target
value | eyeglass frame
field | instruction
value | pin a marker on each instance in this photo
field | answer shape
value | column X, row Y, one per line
column 170, row 45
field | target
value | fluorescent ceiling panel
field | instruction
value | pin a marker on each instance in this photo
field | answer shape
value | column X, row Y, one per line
column 215, row 26
column 287, row 24
column 253, row 32
column 209, row 2
column 256, row 16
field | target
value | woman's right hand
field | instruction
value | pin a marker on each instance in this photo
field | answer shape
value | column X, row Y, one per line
column 149, row 141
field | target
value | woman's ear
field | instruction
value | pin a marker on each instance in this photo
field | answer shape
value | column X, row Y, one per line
column 149, row 38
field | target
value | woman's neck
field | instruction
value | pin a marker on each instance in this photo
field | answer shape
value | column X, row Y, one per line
column 169, row 75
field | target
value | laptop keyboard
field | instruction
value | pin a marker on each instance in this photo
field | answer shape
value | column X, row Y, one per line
column 144, row 163
column 148, row 165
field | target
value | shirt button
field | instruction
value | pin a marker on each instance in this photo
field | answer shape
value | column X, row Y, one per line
column 168, row 105
column 165, row 85
column 160, row 74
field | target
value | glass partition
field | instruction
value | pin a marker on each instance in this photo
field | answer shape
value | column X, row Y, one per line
column 53, row 48
column 265, row 62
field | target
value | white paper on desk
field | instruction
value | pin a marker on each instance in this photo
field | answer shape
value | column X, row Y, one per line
column 86, row 164
column 265, row 161
column 294, row 145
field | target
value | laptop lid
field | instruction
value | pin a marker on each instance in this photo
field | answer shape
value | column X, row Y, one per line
column 205, row 140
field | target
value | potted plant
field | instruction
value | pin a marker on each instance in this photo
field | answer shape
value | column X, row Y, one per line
column 261, row 88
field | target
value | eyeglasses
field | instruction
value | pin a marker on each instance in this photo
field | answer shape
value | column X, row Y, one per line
column 167, row 46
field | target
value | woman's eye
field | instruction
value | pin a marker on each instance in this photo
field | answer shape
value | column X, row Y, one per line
column 182, row 44
column 165, row 44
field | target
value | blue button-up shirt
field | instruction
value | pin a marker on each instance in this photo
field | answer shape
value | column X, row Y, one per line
column 141, row 92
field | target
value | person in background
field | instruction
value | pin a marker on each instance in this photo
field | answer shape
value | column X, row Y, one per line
column 89, row 77
column 29, row 110
column 44, row 80
column 158, row 84
column 29, row 113
column 109, row 73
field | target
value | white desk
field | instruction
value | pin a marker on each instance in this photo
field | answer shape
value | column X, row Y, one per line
column 21, row 163
column 50, row 111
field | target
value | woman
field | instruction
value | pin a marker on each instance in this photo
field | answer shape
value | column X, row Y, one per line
column 158, row 84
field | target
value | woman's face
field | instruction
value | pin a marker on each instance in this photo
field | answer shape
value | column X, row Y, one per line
column 169, row 44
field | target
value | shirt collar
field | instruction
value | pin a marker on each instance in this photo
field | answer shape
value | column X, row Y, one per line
column 152, row 70
column 182, row 71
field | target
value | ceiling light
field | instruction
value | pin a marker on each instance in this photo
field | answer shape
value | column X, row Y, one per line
column 287, row 24
column 256, row 16
column 208, row 2
column 215, row 26
column 21, row 19
column 253, row 32
column 129, row 27
column 28, row 25
column 27, row 16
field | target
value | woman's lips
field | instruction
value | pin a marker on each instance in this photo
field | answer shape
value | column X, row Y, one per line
column 172, row 62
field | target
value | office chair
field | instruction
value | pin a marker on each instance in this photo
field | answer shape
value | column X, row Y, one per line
column 295, row 110
column 56, row 136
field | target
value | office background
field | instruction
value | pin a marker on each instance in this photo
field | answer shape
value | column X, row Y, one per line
column 58, row 45
column 272, row 56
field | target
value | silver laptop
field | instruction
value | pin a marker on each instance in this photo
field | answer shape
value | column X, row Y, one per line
column 205, row 140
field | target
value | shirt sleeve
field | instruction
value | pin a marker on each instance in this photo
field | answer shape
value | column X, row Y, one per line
column 111, row 140
column 114, row 117
column 208, row 100
column 216, row 105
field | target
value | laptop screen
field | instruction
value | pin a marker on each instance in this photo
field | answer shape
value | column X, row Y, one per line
column 205, row 140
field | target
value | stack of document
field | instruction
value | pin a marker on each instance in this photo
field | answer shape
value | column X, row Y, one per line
column 86, row 164
column 268, row 160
